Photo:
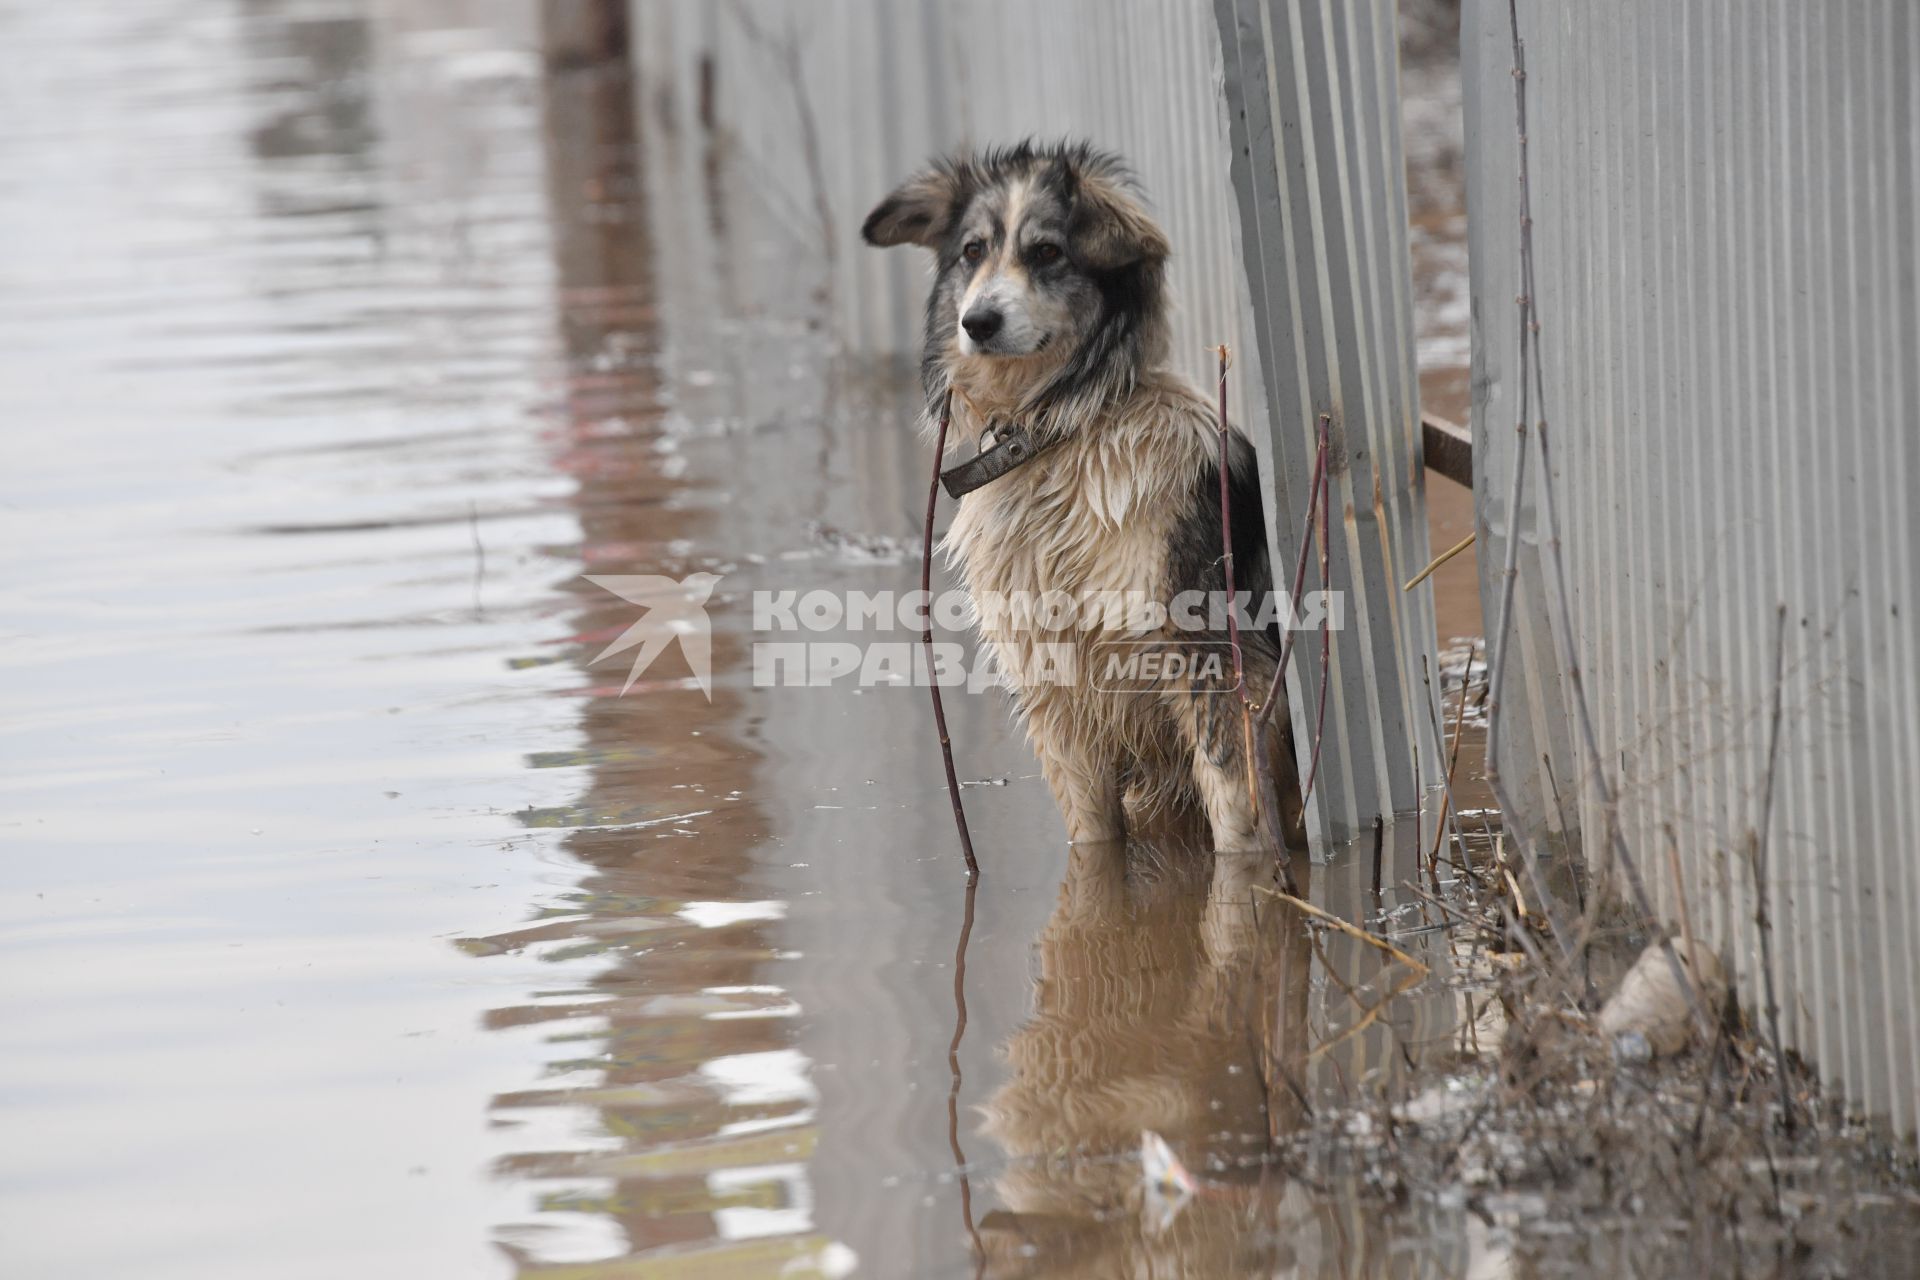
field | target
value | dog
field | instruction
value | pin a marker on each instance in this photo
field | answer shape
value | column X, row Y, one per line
column 1098, row 472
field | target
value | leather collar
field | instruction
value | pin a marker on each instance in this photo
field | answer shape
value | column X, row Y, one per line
column 1013, row 446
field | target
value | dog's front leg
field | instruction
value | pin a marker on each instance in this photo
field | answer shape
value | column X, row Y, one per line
column 1087, row 789
column 1222, row 784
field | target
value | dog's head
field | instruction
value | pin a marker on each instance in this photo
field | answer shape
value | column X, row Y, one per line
column 1049, row 272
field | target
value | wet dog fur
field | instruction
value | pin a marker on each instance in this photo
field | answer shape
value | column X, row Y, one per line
column 1049, row 308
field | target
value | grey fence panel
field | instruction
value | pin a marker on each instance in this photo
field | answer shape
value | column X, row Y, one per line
column 1725, row 203
column 1313, row 105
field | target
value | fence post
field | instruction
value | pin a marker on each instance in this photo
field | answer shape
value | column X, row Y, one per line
column 1313, row 104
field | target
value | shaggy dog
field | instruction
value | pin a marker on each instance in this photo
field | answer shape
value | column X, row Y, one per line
column 1049, row 320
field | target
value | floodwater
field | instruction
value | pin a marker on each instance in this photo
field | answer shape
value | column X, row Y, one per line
column 357, row 920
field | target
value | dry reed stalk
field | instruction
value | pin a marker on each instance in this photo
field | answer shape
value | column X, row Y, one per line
column 1326, row 625
column 1762, row 918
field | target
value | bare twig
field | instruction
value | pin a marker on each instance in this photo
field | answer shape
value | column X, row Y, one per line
column 1379, row 848
column 1263, row 811
column 1435, row 563
column 1446, row 777
column 1680, row 894
column 1233, row 622
column 1272, row 699
column 1762, row 918
column 1510, row 568
column 953, row 1066
column 1346, row 927
column 1419, row 801
column 1519, row 933
column 926, row 639
column 1560, row 806
column 1326, row 625
column 1453, row 761
column 1372, row 1015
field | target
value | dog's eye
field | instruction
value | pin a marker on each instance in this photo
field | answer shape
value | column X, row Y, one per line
column 974, row 251
column 1045, row 254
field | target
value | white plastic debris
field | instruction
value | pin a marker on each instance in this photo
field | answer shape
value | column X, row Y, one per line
column 1169, row 1185
column 1632, row 1047
column 1649, row 1015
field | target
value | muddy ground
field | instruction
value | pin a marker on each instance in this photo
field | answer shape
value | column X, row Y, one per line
column 359, row 922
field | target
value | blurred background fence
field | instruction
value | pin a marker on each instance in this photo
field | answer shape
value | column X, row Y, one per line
column 831, row 104
column 1724, row 204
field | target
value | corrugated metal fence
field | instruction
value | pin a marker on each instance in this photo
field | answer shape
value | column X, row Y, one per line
column 833, row 104
column 1725, row 203
column 1313, row 99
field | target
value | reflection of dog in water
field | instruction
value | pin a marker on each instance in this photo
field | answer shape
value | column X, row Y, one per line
column 1162, row 1004
column 1099, row 477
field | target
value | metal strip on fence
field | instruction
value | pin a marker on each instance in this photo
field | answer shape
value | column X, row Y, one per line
column 1313, row 106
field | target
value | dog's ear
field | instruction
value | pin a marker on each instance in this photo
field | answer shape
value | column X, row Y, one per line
column 1111, row 228
column 920, row 212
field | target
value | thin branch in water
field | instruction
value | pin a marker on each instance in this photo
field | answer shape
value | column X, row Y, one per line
column 1418, row 971
column 1347, row 927
column 1445, row 820
column 1419, row 796
column 479, row 557
column 926, row 639
column 1453, row 766
column 953, row 1066
column 1372, row 1015
column 1263, row 812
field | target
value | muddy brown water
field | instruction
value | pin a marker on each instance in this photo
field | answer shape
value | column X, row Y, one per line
column 356, row 921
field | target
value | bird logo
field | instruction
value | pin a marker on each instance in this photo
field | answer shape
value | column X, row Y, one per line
column 673, row 610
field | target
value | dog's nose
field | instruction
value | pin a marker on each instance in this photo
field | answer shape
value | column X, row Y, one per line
column 981, row 323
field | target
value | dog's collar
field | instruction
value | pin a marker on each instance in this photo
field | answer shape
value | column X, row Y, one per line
column 1012, row 446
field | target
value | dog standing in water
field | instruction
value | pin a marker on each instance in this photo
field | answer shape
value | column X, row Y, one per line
column 1098, row 473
